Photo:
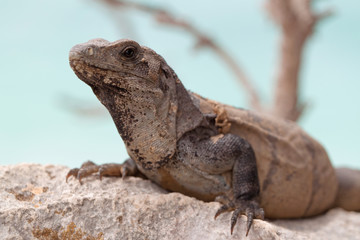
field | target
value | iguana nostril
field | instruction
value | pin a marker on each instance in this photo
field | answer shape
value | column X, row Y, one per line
column 90, row 51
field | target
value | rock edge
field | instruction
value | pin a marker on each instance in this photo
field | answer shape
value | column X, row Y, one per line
column 37, row 203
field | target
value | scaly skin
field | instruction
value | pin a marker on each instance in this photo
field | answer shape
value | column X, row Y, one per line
column 199, row 147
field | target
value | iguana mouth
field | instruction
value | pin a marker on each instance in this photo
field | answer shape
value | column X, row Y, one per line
column 95, row 76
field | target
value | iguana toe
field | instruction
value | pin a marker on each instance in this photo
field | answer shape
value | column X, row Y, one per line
column 113, row 169
column 250, row 209
column 128, row 168
column 73, row 172
column 86, row 169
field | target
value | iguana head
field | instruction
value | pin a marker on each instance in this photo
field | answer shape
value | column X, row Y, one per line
column 122, row 66
column 146, row 100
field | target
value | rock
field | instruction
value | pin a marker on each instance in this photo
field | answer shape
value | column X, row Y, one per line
column 37, row 203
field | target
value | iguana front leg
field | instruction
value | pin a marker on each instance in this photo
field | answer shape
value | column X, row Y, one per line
column 221, row 153
column 128, row 168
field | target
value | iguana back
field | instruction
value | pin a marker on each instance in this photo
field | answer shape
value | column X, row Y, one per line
column 295, row 173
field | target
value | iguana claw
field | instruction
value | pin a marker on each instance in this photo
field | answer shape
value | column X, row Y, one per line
column 250, row 209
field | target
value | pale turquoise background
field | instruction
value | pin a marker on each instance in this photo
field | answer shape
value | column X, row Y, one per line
column 37, row 86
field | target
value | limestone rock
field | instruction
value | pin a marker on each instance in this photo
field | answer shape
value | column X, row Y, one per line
column 37, row 203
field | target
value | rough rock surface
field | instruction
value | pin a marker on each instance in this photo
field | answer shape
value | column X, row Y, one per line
column 36, row 203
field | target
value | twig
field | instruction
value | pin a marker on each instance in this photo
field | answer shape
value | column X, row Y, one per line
column 81, row 107
column 165, row 17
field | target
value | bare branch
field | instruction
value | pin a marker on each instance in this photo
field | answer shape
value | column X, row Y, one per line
column 325, row 14
column 165, row 17
column 297, row 22
column 81, row 107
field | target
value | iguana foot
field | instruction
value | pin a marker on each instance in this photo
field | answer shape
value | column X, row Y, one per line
column 249, row 208
column 128, row 168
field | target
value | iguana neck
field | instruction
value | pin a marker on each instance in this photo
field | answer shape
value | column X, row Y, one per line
column 145, row 125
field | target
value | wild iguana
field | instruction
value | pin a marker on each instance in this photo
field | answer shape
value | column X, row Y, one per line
column 250, row 162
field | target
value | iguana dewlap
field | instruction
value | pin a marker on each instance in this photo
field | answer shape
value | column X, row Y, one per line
column 250, row 162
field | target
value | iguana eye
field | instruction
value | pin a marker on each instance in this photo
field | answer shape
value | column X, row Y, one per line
column 128, row 52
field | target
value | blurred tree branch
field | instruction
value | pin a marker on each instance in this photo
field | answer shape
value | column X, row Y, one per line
column 296, row 21
column 165, row 17
column 81, row 107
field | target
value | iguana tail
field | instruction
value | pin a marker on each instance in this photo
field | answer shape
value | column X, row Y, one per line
column 348, row 196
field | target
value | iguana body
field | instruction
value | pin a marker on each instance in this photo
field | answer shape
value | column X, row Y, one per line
column 205, row 149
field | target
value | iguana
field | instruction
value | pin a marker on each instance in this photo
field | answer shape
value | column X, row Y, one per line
column 250, row 162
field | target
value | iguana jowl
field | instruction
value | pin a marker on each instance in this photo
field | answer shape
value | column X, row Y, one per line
column 203, row 148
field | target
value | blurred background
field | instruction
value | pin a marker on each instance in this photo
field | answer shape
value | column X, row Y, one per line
column 49, row 116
